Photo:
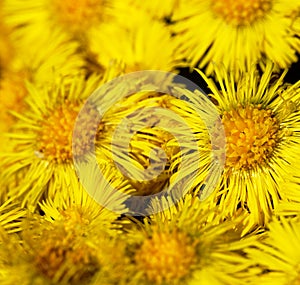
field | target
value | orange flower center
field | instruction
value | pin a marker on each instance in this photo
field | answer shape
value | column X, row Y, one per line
column 241, row 12
column 80, row 14
column 251, row 136
column 61, row 258
column 56, row 134
column 166, row 257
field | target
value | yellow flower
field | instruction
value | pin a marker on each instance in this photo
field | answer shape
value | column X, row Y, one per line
column 72, row 17
column 37, row 49
column 60, row 252
column 146, row 45
column 89, row 211
column 42, row 138
column 237, row 33
column 278, row 256
column 261, row 121
column 52, row 56
column 14, row 268
column 187, row 244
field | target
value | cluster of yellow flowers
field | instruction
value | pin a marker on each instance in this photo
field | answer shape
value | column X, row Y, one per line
column 224, row 205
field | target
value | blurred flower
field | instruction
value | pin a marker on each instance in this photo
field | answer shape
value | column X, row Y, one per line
column 47, row 55
column 53, row 56
column 60, row 252
column 237, row 33
column 72, row 17
column 146, row 45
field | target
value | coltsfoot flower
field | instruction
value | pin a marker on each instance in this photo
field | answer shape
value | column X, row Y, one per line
column 237, row 33
column 147, row 45
column 187, row 244
column 260, row 119
column 60, row 253
column 41, row 140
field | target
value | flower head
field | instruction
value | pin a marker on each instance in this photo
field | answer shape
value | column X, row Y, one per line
column 56, row 253
column 135, row 46
column 237, row 33
column 71, row 17
column 192, row 236
column 53, row 56
column 260, row 117
column 88, row 209
column 43, row 138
